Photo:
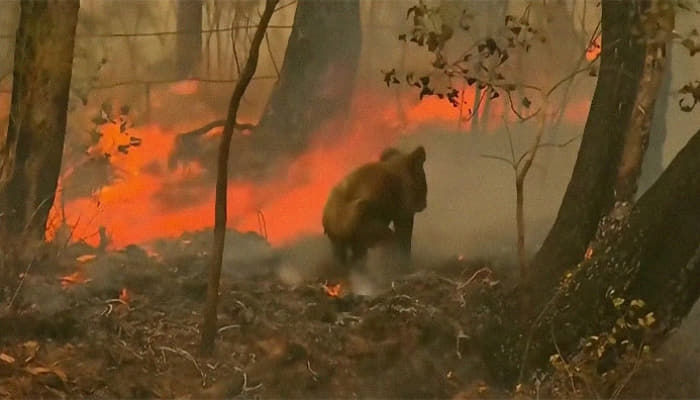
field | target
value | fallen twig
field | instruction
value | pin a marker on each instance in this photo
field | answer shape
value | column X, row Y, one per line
column 107, row 311
column 314, row 373
column 474, row 275
column 227, row 327
column 460, row 335
column 19, row 285
column 188, row 356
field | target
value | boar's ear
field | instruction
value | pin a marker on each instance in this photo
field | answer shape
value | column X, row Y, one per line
column 388, row 153
column 418, row 156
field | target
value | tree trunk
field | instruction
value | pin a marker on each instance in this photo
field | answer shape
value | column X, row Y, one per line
column 626, row 247
column 589, row 194
column 210, row 310
column 31, row 152
column 188, row 45
column 649, row 252
column 315, row 85
column 656, row 30
column 652, row 165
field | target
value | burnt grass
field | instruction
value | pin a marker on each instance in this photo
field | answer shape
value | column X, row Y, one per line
column 409, row 340
column 275, row 341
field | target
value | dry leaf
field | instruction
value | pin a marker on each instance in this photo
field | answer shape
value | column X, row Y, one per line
column 60, row 373
column 44, row 370
column 31, row 347
column 7, row 358
column 37, row 370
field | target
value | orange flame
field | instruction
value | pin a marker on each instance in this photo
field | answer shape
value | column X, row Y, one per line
column 124, row 296
column 76, row 278
column 131, row 211
column 594, row 48
column 333, row 290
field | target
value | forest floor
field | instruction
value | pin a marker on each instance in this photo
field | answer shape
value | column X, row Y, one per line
column 125, row 325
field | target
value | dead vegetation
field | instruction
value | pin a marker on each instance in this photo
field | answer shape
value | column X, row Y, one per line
column 125, row 324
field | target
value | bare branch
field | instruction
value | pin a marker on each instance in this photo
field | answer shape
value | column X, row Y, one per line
column 475, row 110
column 174, row 33
column 499, row 158
column 510, row 142
column 164, row 33
column 272, row 56
column 172, row 80
column 217, row 124
column 517, row 114
column 291, row 3
column 570, row 76
column 563, row 144
column 541, row 145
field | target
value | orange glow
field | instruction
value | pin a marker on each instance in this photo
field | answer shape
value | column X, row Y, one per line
column 589, row 253
column 333, row 290
column 124, row 296
column 132, row 209
column 85, row 258
column 184, row 87
column 75, row 278
column 594, row 48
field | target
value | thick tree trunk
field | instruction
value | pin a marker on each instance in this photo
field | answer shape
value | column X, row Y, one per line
column 649, row 252
column 315, row 85
column 188, row 45
column 590, row 192
column 30, row 153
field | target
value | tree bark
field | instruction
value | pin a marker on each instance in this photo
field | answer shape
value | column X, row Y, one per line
column 656, row 30
column 652, row 166
column 210, row 310
column 188, row 45
column 589, row 194
column 31, row 151
column 649, row 252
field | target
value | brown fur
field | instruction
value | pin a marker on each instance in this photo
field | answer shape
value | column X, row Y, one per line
column 361, row 207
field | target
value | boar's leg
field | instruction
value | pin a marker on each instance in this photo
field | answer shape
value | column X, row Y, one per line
column 404, row 233
column 340, row 251
column 359, row 255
